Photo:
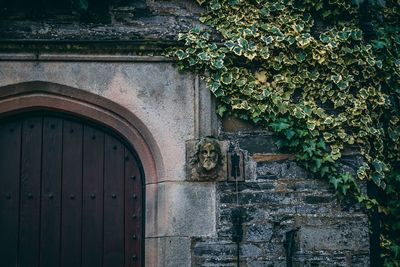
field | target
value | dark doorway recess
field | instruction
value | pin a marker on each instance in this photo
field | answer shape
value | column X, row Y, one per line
column 71, row 193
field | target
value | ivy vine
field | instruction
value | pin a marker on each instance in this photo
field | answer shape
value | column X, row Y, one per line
column 323, row 75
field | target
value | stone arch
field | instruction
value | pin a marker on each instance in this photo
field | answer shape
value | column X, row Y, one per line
column 44, row 95
column 36, row 95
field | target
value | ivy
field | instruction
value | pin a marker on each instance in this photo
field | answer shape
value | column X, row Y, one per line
column 315, row 75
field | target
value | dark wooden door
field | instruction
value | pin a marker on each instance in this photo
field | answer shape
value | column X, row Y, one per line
column 70, row 194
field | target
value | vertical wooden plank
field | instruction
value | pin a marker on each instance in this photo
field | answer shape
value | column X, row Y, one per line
column 29, row 230
column 51, row 192
column 113, row 203
column 93, row 167
column 133, row 211
column 10, row 149
column 71, row 217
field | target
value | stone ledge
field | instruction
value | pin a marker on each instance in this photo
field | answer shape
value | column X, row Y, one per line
column 257, row 157
column 80, row 57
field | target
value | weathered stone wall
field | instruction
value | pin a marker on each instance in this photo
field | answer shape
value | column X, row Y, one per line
column 162, row 20
column 289, row 218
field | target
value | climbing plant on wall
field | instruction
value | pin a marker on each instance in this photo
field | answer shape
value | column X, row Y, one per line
column 323, row 75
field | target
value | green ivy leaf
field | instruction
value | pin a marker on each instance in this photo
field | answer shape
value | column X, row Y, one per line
column 181, row 54
column 221, row 109
column 83, row 4
column 215, row 5
column 289, row 133
column 357, row 2
column 230, row 44
column 214, row 86
column 343, row 85
column 301, row 56
column 226, row 78
column 238, row 50
column 267, row 40
column 218, row 63
column 204, row 56
column 279, row 126
column 264, row 53
column 233, row 2
column 243, row 43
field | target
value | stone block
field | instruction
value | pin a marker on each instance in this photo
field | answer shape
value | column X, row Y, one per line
column 321, row 259
column 251, row 251
column 213, row 252
column 184, row 209
column 216, row 248
column 229, row 187
column 266, row 263
column 360, row 260
column 257, row 144
column 167, row 251
column 280, row 169
column 208, row 120
column 151, row 211
column 259, row 232
column 339, row 232
column 319, row 198
column 277, row 198
column 233, row 124
column 248, row 214
column 309, row 185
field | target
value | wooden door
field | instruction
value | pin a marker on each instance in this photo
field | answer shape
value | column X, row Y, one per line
column 70, row 194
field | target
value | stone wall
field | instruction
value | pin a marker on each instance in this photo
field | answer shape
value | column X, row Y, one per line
column 289, row 217
column 162, row 20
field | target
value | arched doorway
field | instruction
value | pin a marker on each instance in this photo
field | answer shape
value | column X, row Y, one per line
column 71, row 193
column 104, row 114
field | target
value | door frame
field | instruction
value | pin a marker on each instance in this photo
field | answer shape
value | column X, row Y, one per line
column 38, row 95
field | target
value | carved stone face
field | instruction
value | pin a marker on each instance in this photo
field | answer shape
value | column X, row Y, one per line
column 208, row 156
